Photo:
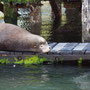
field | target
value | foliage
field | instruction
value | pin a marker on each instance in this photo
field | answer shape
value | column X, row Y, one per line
column 24, row 1
column 11, row 17
column 34, row 60
column 27, row 60
column 18, row 62
column 62, row 59
column 80, row 60
column 21, row 1
column 4, row 60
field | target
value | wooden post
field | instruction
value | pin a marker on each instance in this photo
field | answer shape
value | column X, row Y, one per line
column 1, row 7
column 56, row 9
column 35, row 19
column 85, row 20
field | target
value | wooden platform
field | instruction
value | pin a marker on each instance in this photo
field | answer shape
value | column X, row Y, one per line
column 59, row 52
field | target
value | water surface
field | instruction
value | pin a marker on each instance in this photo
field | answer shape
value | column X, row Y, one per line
column 44, row 77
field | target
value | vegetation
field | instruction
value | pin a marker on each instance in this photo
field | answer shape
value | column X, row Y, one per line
column 11, row 17
column 56, row 8
column 21, row 1
column 80, row 60
column 4, row 60
column 27, row 60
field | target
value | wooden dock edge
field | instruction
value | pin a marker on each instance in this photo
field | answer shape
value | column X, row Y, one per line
column 11, row 59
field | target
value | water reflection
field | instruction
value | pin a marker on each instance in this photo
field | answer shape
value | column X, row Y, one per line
column 39, row 20
column 41, row 77
column 83, row 81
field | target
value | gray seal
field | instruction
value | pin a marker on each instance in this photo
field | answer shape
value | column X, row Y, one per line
column 14, row 38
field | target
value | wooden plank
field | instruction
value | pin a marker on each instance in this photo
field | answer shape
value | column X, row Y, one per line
column 18, row 53
column 29, row 53
column 68, row 48
column 4, row 53
column 80, row 48
column 52, row 44
column 88, row 47
column 58, row 47
column 87, row 52
column 52, row 58
column 61, row 51
column 12, row 53
column 66, row 57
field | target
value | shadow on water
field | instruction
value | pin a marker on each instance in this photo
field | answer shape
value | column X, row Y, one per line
column 38, row 19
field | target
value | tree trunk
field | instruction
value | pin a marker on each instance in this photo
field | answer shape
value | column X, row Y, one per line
column 85, row 21
column 1, row 7
column 35, row 19
column 56, row 9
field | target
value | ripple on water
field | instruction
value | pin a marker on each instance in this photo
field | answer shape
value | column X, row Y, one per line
column 83, row 81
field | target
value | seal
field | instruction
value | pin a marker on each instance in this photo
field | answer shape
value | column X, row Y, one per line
column 14, row 38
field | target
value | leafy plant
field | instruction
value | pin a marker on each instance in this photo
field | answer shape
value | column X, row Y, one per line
column 34, row 60
column 30, row 60
column 80, row 60
column 3, row 60
column 27, row 60
column 17, row 61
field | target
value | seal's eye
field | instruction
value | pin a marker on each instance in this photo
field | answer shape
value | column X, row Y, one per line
column 41, row 46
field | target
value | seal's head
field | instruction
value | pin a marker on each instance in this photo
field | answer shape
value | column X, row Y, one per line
column 40, row 45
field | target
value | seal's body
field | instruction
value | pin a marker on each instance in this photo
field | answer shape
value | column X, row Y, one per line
column 14, row 38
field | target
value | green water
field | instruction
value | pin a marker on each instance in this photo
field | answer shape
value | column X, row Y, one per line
column 44, row 77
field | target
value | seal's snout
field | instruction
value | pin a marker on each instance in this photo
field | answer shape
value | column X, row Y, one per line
column 49, row 47
column 45, row 48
